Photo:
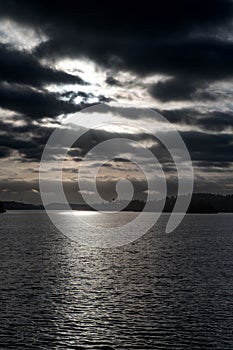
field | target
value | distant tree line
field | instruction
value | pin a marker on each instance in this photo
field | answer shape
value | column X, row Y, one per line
column 200, row 203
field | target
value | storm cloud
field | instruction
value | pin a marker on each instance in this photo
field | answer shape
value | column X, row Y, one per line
column 175, row 58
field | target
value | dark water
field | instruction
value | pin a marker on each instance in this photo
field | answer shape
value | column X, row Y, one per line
column 165, row 291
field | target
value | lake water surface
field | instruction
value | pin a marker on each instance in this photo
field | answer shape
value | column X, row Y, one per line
column 164, row 291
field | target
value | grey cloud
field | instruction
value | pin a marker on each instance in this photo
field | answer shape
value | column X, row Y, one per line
column 21, row 67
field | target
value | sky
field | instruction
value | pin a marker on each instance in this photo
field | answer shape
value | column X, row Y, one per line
column 58, row 58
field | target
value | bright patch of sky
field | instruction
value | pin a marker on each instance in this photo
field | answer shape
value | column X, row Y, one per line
column 20, row 37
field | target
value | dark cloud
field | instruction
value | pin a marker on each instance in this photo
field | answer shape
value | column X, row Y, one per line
column 183, row 56
column 4, row 152
column 180, row 39
column 36, row 104
column 205, row 148
column 174, row 89
column 186, row 41
column 28, row 148
column 212, row 166
column 215, row 121
column 27, row 139
column 71, row 95
column 181, row 89
column 113, row 81
column 183, row 115
column 170, row 17
column 209, row 147
column 22, row 68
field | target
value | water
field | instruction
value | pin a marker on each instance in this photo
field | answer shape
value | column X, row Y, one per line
column 165, row 291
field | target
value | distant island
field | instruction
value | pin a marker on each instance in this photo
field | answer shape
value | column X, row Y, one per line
column 201, row 203
column 12, row 205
